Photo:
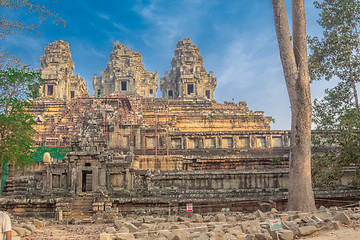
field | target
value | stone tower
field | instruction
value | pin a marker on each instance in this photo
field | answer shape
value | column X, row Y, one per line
column 188, row 77
column 57, row 69
column 125, row 73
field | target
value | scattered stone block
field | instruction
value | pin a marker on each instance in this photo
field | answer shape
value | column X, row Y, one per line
column 228, row 236
column 124, row 230
column 107, row 236
column 38, row 223
column 335, row 225
column 22, row 232
column 263, row 236
column 259, row 214
column 342, row 217
column 30, row 227
column 131, row 227
column 307, row 230
column 286, row 235
column 250, row 227
column 180, row 236
column 124, row 236
column 220, row 217
column 197, row 218
column 148, row 219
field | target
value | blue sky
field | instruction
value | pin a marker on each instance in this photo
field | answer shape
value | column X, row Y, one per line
column 236, row 39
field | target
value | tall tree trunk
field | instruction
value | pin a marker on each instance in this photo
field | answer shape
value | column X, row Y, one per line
column 294, row 62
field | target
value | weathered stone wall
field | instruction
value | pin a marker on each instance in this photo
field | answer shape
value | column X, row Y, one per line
column 188, row 77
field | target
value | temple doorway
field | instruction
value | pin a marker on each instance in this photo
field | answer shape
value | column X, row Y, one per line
column 86, row 185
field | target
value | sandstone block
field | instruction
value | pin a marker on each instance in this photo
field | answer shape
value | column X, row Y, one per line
column 250, row 227
column 228, row 236
column 124, row 230
column 209, row 219
column 204, row 237
column 106, row 236
column 22, row 232
column 292, row 226
column 131, row 227
column 324, row 215
column 30, row 227
column 197, row 218
column 342, row 217
column 220, row 217
column 263, row 236
column 124, row 236
column 334, row 225
column 38, row 223
column 286, row 235
column 235, row 230
column 259, row 214
column 307, row 230
column 283, row 217
column 148, row 219
column 147, row 227
column 118, row 224
column 181, row 236
column 302, row 215
column 110, row 230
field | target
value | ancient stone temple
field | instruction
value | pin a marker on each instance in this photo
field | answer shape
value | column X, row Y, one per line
column 57, row 69
column 188, row 77
column 125, row 73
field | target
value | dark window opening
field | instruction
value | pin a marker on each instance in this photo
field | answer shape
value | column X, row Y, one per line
column 207, row 94
column 190, row 88
column 151, row 93
column 98, row 93
column 87, row 164
column 171, row 96
column 123, row 86
column 50, row 90
column 72, row 94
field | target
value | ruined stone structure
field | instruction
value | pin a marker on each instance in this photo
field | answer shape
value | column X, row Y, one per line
column 188, row 77
column 125, row 73
column 57, row 69
column 130, row 151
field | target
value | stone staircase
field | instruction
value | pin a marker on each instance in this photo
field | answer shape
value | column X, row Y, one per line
column 82, row 208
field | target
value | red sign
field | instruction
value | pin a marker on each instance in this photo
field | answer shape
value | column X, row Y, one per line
column 189, row 207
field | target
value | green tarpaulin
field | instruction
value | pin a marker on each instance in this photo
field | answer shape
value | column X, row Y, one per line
column 55, row 152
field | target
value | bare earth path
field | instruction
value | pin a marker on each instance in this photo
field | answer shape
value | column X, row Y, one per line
column 342, row 234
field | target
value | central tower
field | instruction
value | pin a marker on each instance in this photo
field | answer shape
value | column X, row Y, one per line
column 125, row 73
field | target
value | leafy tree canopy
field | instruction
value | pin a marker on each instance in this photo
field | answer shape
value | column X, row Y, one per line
column 17, row 88
column 336, row 116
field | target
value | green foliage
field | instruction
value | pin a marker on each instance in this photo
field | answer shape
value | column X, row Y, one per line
column 17, row 86
column 336, row 54
column 275, row 161
column 336, row 116
column 337, row 136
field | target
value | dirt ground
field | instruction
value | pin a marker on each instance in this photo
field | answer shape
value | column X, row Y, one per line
column 92, row 231
column 345, row 233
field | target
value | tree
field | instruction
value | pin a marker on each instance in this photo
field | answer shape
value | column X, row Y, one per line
column 337, row 115
column 293, row 54
column 337, row 52
column 17, row 86
column 10, row 26
column 337, row 125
